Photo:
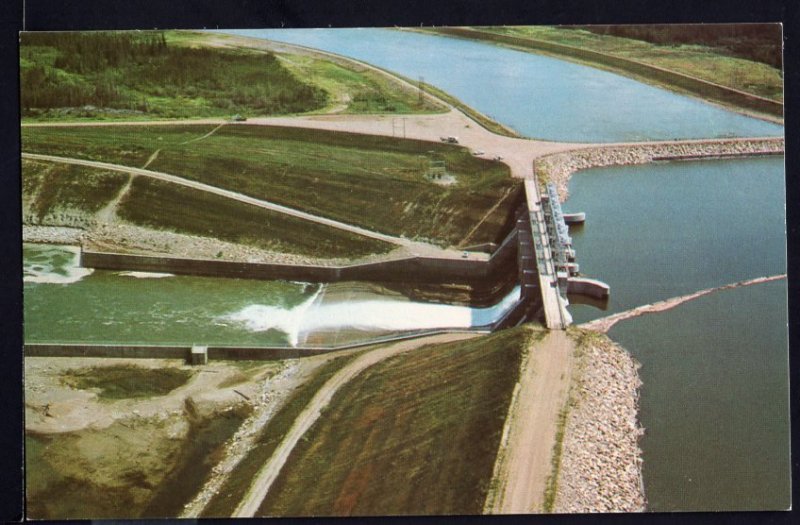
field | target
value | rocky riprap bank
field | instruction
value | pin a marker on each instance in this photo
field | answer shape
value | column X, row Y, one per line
column 601, row 461
column 558, row 168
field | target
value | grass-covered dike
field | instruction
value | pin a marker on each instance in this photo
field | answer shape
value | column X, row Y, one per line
column 415, row 434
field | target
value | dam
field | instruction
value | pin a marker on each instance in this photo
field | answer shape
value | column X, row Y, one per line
column 538, row 244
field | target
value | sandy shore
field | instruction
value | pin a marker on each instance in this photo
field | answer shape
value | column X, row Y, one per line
column 600, row 456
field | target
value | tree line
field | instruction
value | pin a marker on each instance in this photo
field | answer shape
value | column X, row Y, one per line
column 757, row 42
column 142, row 71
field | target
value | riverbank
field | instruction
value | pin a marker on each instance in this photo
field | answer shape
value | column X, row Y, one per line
column 600, row 458
column 683, row 82
column 559, row 167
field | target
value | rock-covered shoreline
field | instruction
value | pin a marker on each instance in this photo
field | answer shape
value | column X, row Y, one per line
column 559, row 167
column 601, row 462
column 127, row 238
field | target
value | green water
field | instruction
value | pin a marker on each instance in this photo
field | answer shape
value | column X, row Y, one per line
column 110, row 307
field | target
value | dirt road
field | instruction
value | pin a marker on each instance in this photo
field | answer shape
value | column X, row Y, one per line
column 525, row 457
column 269, row 472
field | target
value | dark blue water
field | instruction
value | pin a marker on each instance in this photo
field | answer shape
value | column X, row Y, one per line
column 538, row 96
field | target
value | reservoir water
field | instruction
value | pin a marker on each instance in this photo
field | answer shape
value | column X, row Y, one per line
column 538, row 96
column 714, row 400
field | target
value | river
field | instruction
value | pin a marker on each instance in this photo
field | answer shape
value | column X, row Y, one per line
column 714, row 399
column 715, row 373
column 538, row 96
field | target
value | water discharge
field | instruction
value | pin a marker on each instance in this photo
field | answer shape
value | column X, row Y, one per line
column 112, row 307
column 54, row 265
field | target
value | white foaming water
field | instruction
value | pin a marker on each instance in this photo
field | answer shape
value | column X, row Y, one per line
column 367, row 314
column 49, row 268
column 260, row 318
column 146, row 275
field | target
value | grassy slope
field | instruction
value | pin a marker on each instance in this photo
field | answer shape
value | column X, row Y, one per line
column 47, row 187
column 351, row 87
column 223, row 503
column 162, row 205
column 374, row 182
column 695, row 60
column 415, row 434
column 51, row 190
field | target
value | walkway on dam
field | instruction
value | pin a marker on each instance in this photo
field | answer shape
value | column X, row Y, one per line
column 554, row 305
column 412, row 247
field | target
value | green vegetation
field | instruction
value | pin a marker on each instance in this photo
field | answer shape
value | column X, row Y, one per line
column 356, row 89
column 56, row 190
column 375, row 182
column 127, row 381
column 415, row 434
column 152, row 203
column 47, row 186
column 113, row 74
column 205, row 448
column 757, row 42
column 712, row 64
column 551, row 488
column 224, row 502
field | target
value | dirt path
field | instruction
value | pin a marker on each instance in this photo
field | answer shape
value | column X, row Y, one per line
column 525, row 459
column 604, row 324
column 224, row 193
column 269, row 472
column 192, row 140
column 411, row 247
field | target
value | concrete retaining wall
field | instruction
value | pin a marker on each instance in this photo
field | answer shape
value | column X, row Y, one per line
column 227, row 353
column 411, row 269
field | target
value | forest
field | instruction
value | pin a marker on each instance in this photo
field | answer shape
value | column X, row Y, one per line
column 758, row 42
column 142, row 72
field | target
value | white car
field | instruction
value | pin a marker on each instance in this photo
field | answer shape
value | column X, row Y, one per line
column 478, row 153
